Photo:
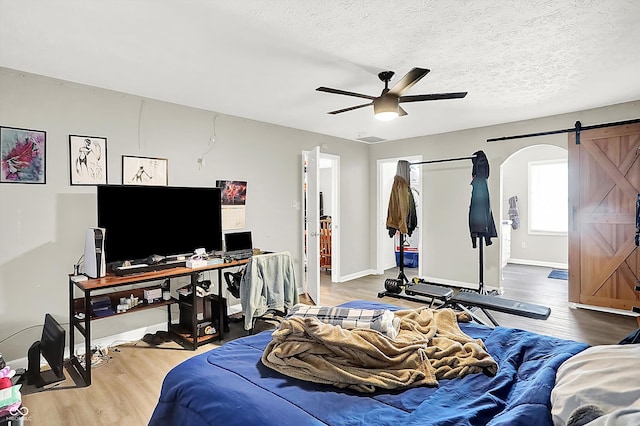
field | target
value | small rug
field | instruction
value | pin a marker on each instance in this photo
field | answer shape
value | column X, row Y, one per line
column 559, row 274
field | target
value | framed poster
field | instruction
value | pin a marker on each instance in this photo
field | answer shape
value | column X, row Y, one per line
column 22, row 155
column 88, row 160
column 234, row 200
column 144, row 171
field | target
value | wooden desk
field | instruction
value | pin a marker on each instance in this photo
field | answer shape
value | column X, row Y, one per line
column 112, row 282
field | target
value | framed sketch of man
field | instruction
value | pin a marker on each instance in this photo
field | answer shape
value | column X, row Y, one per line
column 144, row 171
column 88, row 160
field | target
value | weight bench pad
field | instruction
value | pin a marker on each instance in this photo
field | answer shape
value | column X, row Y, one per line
column 429, row 290
column 494, row 303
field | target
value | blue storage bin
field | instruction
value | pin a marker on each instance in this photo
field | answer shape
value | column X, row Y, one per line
column 410, row 259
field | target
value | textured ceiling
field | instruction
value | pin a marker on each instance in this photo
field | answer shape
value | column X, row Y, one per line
column 263, row 59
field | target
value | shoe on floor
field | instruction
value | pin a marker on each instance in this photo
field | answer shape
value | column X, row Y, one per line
column 164, row 335
column 148, row 338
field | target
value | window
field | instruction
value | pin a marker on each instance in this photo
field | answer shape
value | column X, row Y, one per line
column 548, row 197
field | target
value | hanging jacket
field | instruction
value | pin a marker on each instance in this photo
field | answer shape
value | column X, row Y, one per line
column 401, row 213
column 481, row 223
column 398, row 209
column 268, row 282
column 412, row 216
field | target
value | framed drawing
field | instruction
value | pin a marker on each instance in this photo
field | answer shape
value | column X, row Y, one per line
column 144, row 171
column 88, row 160
column 22, row 155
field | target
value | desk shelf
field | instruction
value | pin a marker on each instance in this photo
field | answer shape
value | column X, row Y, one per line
column 104, row 287
column 186, row 336
column 78, row 302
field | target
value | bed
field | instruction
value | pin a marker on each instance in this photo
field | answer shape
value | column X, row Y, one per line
column 231, row 386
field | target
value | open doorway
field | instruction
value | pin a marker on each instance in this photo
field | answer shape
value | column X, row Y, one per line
column 526, row 237
column 386, row 246
column 329, row 186
column 320, row 219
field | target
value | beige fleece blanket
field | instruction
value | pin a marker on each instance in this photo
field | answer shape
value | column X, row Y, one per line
column 430, row 346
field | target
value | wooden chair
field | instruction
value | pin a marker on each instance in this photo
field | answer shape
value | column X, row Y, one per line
column 325, row 243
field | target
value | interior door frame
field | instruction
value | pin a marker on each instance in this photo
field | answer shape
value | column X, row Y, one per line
column 310, row 224
column 335, row 214
column 382, row 201
column 312, row 286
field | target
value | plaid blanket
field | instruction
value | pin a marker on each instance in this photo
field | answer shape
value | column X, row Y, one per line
column 380, row 320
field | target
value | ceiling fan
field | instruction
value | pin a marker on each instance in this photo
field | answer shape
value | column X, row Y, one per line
column 387, row 105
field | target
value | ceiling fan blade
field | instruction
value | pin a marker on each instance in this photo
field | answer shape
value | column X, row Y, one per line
column 401, row 111
column 432, row 97
column 350, row 108
column 343, row 92
column 411, row 78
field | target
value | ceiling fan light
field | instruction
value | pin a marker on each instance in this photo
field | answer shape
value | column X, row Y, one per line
column 386, row 115
column 385, row 108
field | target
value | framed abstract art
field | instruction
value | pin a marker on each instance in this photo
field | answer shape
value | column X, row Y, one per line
column 22, row 155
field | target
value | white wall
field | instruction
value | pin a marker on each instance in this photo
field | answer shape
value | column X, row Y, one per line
column 446, row 251
column 42, row 226
column 525, row 247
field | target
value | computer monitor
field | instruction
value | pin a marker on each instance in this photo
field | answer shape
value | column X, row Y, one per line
column 51, row 347
column 238, row 241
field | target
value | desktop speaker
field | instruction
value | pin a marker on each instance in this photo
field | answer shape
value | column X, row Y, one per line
column 95, row 265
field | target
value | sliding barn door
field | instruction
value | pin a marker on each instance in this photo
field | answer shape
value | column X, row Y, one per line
column 604, row 181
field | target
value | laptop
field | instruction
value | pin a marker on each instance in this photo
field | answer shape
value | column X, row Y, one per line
column 238, row 245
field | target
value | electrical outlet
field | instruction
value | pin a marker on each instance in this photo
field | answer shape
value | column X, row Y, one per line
column 523, row 244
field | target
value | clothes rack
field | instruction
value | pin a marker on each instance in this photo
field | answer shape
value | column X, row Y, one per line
column 420, row 289
column 402, row 278
column 444, row 160
column 578, row 127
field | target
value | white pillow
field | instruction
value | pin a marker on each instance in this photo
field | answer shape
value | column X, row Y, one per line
column 606, row 376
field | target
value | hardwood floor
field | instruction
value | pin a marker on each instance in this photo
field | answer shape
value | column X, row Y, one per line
column 520, row 282
column 125, row 388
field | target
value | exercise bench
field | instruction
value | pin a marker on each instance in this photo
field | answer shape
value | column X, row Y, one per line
column 464, row 300
column 430, row 291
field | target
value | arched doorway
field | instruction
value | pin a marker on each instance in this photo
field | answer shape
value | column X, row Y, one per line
column 524, row 242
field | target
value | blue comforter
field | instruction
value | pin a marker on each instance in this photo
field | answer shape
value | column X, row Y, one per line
column 230, row 386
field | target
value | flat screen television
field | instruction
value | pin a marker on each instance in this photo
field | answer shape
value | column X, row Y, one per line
column 51, row 348
column 169, row 221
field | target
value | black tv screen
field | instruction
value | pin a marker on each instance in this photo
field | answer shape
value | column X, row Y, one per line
column 52, row 344
column 51, row 347
column 141, row 221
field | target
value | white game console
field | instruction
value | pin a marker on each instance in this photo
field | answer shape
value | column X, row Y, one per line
column 95, row 265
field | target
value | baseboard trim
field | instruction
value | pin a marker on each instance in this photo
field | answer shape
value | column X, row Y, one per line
column 357, row 275
column 554, row 265
column 453, row 283
column 104, row 342
column 234, row 309
column 603, row 309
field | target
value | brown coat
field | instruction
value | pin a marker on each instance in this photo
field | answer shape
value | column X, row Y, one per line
column 398, row 209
